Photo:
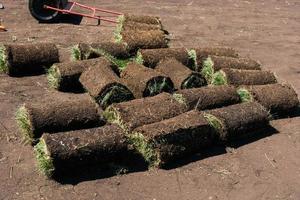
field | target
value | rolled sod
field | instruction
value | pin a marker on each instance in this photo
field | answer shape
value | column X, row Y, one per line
column 58, row 112
column 75, row 149
column 143, row 81
column 243, row 77
column 83, row 51
column 181, row 76
column 138, row 112
column 135, row 40
column 151, row 57
column 163, row 142
column 238, row 120
column 277, row 98
column 140, row 19
column 65, row 76
column 18, row 60
column 136, row 26
column 104, row 85
column 208, row 97
column 215, row 63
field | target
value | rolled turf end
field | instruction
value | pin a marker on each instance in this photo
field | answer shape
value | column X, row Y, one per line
column 145, row 148
column 245, row 95
column 113, row 116
column 24, row 124
column 44, row 160
column 53, row 77
column 115, row 94
column 139, row 58
column 219, row 78
column 215, row 123
column 208, row 69
column 193, row 57
column 3, row 60
column 179, row 98
column 193, row 81
column 158, row 85
column 75, row 53
column 117, row 32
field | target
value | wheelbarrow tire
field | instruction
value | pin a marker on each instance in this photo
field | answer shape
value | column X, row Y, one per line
column 37, row 10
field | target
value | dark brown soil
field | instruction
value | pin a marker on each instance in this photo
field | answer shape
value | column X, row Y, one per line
column 95, row 50
column 69, row 73
column 181, row 76
column 277, row 98
column 249, row 77
column 148, row 110
column 63, row 112
column 209, row 97
column 151, row 57
column 143, row 81
column 69, row 150
column 152, row 39
column 104, row 85
column 240, row 119
column 185, row 133
column 30, row 59
column 221, row 62
column 142, row 19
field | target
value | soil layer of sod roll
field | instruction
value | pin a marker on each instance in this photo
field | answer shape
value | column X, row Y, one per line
column 58, row 112
column 141, row 19
column 84, row 51
column 208, row 97
column 243, row 77
column 138, row 112
column 143, row 81
column 136, row 40
column 277, row 98
column 181, row 76
column 104, row 85
column 65, row 76
column 238, row 120
column 69, row 150
column 136, row 26
column 163, row 142
column 151, row 57
column 18, row 60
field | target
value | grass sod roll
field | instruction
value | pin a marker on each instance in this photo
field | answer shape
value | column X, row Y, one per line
column 181, row 76
column 135, row 40
column 68, row 150
column 151, row 57
column 136, row 26
column 19, row 60
column 238, row 120
column 208, row 97
column 279, row 99
column 138, row 112
column 243, row 77
column 104, row 85
column 163, row 142
column 154, row 20
column 143, row 81
column 84, row 51
column 214, row 63
column 58, row 112
column 65, row 76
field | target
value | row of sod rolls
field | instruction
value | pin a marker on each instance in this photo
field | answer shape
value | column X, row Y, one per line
column 27, row 59
column 279, row 99
column 58, row 112
column 138, row 112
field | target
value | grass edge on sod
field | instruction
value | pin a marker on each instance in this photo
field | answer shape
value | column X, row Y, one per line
column 207, row 70
column 245, row 95
column 219, row 78
column 193, row 56
column 23, row 121
column 76, row 53
column 53, row 77
column 44, row 160
column 117, row 32
column 216, row 124
column 179, row 98
column 139, row 58
column 4, row 65
column 113, row 116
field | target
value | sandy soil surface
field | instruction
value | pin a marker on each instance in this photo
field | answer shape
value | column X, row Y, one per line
column 263, row 168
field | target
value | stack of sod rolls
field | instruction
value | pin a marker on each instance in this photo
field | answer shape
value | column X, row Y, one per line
column 143, row 81
column 104, row 85
column 29, row 59
column 138, row 112
column 65, row 76
column 140, row 32
column 279, row 99
column 58, row 112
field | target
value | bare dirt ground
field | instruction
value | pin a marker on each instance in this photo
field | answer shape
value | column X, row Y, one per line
column 265, row 168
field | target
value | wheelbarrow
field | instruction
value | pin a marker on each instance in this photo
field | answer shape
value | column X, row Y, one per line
column 47, row 11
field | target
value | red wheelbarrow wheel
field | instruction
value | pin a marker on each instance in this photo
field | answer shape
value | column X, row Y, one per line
column 40, row 13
